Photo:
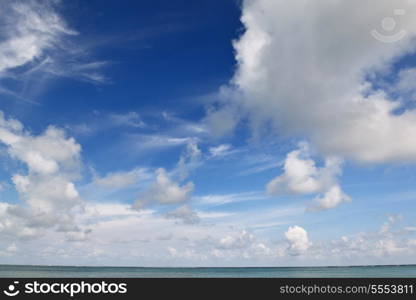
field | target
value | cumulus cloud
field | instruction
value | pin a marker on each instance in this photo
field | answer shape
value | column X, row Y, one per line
column 332, row 198
column 389, row 241
column 165, row 191
column 296, row 75
column 47, row 187
column 298, row 240
column 302, row 176
column 44, row 154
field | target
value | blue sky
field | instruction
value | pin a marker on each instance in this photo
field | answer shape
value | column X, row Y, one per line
column 207, row 133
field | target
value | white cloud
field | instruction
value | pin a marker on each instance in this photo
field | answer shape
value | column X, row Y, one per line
column 411, row 242
column 302, row 176
column 172, row 251
column 405, row 85
column 43, row 154
column 184, row 213
column 242, row 240
column 389, row 241
column 298, row 240
column 123, row 235
column 111, row 210
column 190, row 159
column 35, row 43
column 220, row 150
column 154, row 142
column 221, row 199
column 120, row 180
column 12, row 248
column 214, row 215
column 165, row 191
column 221, row 122
column 387, row 247
column 97, row 122
column 391, row 221
column 47, row 189
column 131, row 119
column 30, row 29
column 295, row 74
column 332, row 198
column 77, row 236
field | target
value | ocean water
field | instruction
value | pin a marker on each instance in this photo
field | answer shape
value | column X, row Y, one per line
column 22, row 271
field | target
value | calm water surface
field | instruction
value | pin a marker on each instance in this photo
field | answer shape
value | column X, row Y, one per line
column 323, row 272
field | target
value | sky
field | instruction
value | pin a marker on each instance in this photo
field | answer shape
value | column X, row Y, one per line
column 207, row 133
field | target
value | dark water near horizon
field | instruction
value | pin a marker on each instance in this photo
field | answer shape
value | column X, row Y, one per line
column 23, row 271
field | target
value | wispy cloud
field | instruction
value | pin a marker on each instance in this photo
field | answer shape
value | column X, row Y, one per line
column 122, row 179
column 221, row 199
column 36, row 44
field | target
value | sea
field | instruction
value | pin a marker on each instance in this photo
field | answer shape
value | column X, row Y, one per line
column 25, row 271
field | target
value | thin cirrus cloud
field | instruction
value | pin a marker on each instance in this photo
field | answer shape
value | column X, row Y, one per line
column 36, row 43
column 122, row 179
column 30, row 30
column 99, row 122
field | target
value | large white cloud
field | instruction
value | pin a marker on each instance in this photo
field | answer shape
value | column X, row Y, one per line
column 303, row 68
column 52, row 163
